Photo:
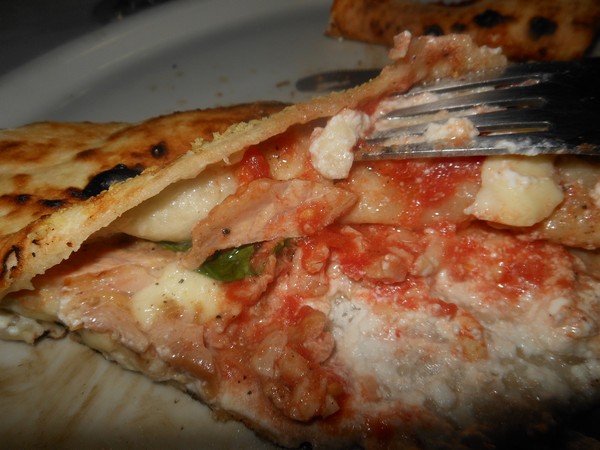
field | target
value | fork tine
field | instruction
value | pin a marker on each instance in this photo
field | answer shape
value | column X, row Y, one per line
column 493, row 122
column 530, row 97
column 528, row 144
column 527, row 109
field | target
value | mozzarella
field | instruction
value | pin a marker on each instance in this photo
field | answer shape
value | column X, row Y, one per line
column 195, row 294
column 516, row 191
column 331, row 148
column 171, row 215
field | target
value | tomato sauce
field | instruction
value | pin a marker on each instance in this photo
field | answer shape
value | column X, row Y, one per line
column 428, row 182
column 510, row 268
column 253, row 166
column 357, row 247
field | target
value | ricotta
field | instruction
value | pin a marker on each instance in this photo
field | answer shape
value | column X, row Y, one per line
column 331, row 149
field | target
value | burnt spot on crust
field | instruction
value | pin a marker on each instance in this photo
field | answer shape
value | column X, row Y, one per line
column 18, row 199
column 57, row 203
column 74, row 192
column 458, row 28
column 11, row 259
column 103, row 180
column 159, row 150
column 6, row 146
column 433, row 30
column 22, row 198
column 489, row 19
column 541, row 26
column 87, row 154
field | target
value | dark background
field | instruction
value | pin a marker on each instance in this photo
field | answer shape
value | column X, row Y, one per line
column 29, row 28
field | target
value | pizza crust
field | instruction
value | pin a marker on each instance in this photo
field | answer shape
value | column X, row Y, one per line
column 530, row 30
column 46, row 167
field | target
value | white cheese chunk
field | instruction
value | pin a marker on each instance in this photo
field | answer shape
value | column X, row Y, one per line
column 517, row 191
column 455, row 129
column 195, row 294
column 331, row 148
column 171, row 215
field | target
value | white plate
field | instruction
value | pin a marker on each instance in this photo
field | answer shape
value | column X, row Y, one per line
column 180, row 55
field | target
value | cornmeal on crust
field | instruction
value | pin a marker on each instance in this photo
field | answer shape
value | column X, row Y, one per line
column 525, row 30
column 419, row 303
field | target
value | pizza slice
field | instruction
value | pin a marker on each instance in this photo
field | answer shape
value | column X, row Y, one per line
column 532, row 30
column 328, row 301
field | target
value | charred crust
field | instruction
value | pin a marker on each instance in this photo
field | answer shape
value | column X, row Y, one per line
column 14, row 250
column 9, row 145
column 103, row 180
column 458, row 27
column 159, row 150
column 75, row 193
column 52, row 203
column 433, row 30
column 489, row 19
column 87, row 154
column 22, row 198
column 541, row 26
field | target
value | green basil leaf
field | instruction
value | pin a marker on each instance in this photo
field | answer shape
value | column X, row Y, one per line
column 230, row 265
column 176, row 246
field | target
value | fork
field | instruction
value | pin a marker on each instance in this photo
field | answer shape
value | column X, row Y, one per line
column 534, row 108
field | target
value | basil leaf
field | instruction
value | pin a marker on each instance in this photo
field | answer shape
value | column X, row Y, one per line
column 230, row 265
column 176, row 246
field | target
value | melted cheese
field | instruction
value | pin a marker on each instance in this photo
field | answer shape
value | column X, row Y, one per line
column 171, row 215
column 331, row 148
column 516, row 191
column 192, row 293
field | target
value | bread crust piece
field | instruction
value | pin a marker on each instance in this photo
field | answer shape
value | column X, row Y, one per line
column 525, row 30
column 45, row 168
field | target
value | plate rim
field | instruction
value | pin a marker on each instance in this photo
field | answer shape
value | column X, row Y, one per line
column 66, row 70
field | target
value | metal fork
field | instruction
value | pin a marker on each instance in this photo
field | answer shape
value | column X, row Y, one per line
column 536, row 108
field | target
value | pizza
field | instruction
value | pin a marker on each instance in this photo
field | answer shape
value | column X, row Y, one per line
column 318, row 299
column 531, row 30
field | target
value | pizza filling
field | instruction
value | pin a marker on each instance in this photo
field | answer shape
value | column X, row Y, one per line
column 352, row 300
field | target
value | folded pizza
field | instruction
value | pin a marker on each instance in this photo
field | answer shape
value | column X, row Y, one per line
column 319, row 299
column 531, row 30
